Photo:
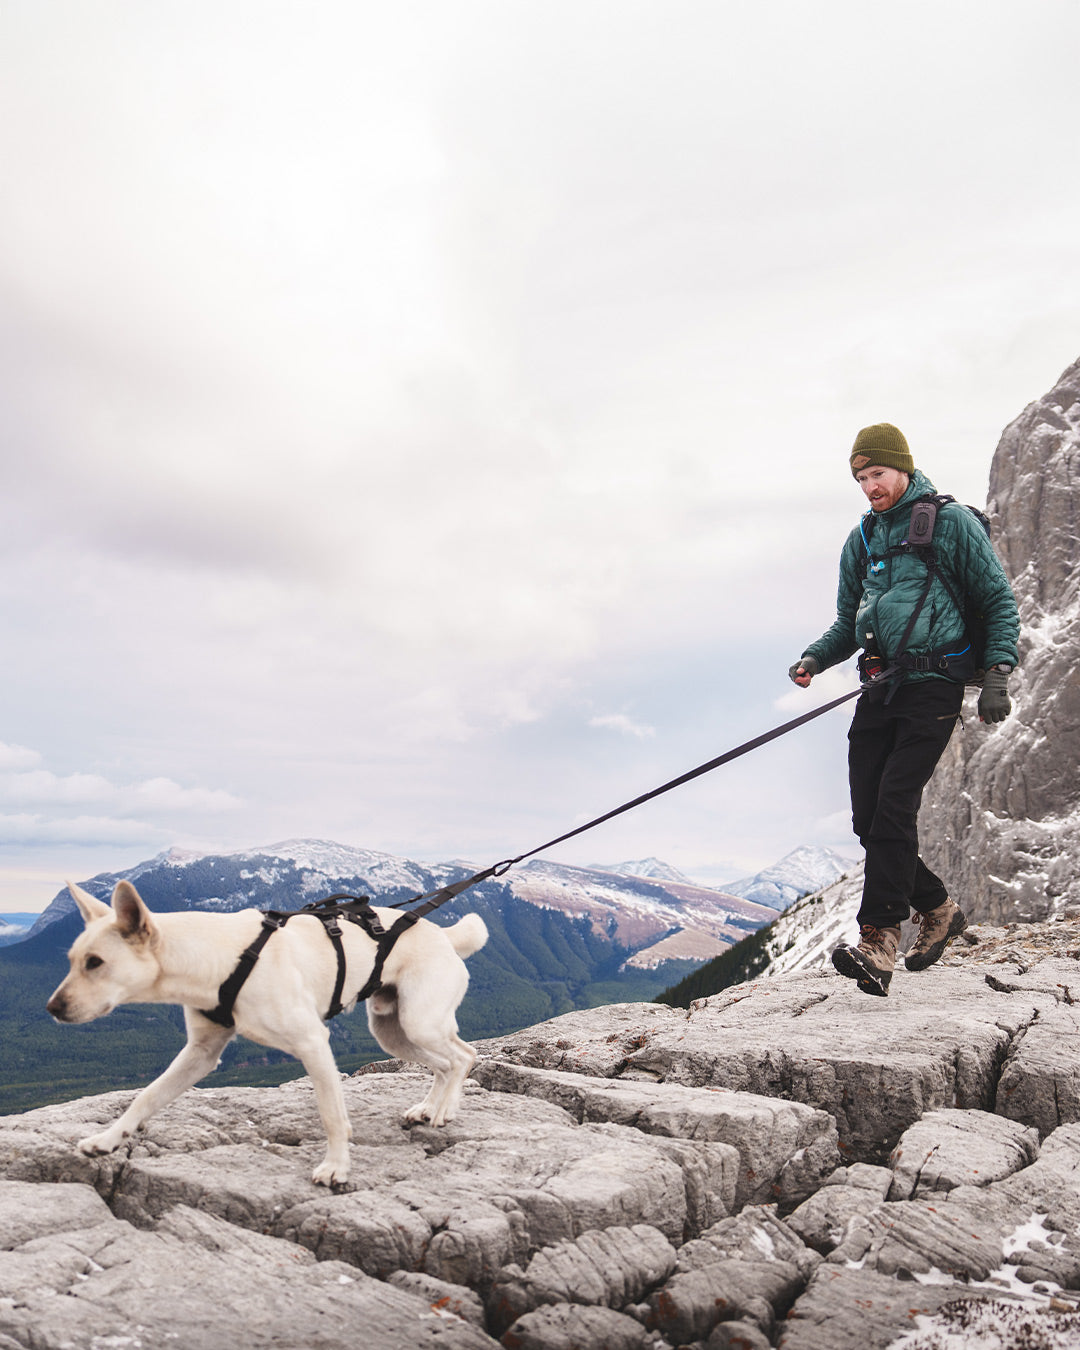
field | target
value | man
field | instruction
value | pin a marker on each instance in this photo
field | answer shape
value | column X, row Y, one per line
column 907, row 616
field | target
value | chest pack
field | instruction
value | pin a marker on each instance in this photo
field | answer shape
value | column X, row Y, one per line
column 965, row 665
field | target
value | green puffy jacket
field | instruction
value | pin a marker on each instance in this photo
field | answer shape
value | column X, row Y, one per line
column 874, row 608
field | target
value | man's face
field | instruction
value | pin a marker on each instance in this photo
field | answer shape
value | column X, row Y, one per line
column 883, row 487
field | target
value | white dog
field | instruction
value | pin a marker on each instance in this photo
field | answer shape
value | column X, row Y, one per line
column 128, row 955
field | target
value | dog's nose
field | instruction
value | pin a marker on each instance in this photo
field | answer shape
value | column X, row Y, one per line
column 57, row 1007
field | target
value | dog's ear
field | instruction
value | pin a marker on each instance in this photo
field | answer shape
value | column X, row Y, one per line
column 133, row 919
column 90, row 907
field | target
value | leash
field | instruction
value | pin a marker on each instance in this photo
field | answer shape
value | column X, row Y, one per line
column 433, row 899
column 357, row 908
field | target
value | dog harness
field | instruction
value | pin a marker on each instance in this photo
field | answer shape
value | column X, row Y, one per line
column 354, row 909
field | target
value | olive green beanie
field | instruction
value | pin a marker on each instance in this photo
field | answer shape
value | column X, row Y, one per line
column 881, row 444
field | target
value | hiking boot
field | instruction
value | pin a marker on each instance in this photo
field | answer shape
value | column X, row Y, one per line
column 872, row 962
column 937, row 928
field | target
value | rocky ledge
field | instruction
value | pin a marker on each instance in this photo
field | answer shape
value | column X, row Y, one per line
column 789, row 1163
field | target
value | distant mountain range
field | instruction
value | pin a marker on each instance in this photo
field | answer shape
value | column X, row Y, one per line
column 648, row 907
column 14, row 927
column 561, row 938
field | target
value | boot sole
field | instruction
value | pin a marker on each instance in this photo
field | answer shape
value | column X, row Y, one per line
column 920, row 960
column 849, row 961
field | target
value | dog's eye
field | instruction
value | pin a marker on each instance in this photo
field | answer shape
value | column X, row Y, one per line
column 92, row 962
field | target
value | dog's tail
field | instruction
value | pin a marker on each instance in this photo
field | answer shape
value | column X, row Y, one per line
column 468, row 935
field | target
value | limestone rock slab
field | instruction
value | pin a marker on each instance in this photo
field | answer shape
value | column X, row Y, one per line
column 1028, row 1220
column 737, row 1335
column 812, row 1037
column 949, row 1148
column 511, row 1175
column 567, row 1326
column 1040, row 1080
column 200, row 1281
column 754, row 1235
column 441, row 1296
column 784, row 1149
column 691, row 1304
column 822, row 1219
column 611, row 1267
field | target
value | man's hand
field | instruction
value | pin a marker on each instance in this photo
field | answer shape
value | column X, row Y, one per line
column 803, row 671
column 994, row 701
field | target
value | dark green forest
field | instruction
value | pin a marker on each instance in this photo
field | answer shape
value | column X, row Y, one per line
column 741, row 962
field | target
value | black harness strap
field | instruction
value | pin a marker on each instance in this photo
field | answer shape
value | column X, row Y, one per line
column 356, row 909
column 386, row 945
column 229, row 988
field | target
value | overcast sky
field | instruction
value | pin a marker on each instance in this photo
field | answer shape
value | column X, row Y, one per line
column 425, row 425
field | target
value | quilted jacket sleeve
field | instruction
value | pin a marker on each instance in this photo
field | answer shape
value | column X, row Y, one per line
column 979, row 571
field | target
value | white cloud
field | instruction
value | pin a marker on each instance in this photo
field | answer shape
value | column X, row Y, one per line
column 26, row 830
column 152, row 796
column 163, row 796
column 143, row 815
column 16, row 757
column 41, row 786
column 623, row 724
column 363, row 428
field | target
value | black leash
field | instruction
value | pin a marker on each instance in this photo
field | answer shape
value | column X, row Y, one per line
column 357, row 908
column 433, row 899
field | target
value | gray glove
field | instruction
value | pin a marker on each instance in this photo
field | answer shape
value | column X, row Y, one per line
column 807, row 666
column 994, row 702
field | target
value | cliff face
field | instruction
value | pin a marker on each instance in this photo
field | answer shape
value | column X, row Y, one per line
column 1001, row 818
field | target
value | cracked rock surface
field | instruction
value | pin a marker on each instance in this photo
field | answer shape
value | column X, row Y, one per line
column 789, row 1164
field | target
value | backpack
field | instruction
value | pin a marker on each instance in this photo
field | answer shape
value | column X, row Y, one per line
column 966, row 666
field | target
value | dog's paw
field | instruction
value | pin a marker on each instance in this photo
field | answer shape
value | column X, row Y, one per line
column 330, row 1173
column 108, row 1141
column 426, row 1113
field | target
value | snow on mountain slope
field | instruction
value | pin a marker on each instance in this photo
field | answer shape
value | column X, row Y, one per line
column 650, row 868
column 14, row 927
column 664, row 920
column 803, row 937
column 805, row 869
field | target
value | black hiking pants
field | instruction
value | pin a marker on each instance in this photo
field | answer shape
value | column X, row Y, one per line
column 892, row 751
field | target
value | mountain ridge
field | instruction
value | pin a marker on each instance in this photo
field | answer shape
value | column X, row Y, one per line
column 653, row 909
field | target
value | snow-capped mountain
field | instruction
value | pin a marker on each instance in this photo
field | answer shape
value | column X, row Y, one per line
column 803, row 937
column 660, row 920
column 14, row 927
column 285, row 875
column 651, row 868
column 656, row 920
column 804, row 870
